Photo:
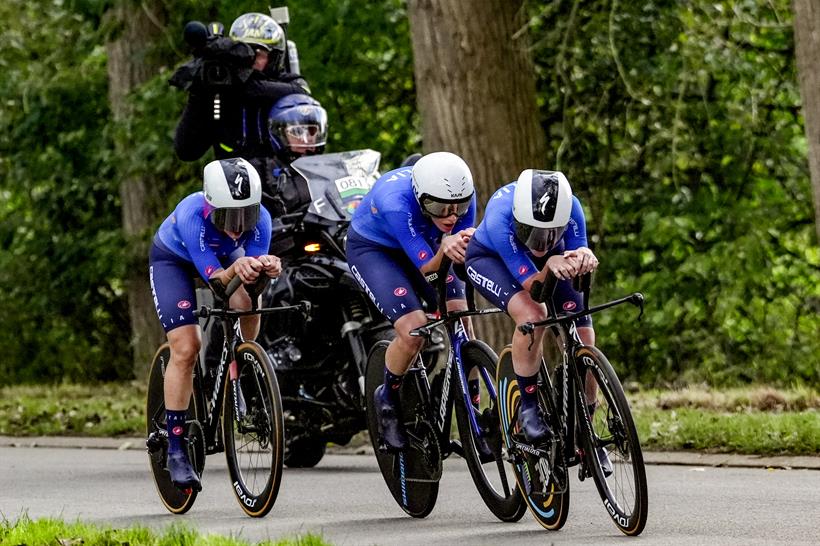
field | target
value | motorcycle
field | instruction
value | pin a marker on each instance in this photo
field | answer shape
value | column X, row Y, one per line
column 320, row 362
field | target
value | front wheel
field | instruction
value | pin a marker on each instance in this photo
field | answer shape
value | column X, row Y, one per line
column 480, row 433
column 252, row 429
column 613, row 451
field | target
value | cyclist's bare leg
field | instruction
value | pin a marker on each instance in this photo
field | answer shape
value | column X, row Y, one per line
column 185, row 343
column 249, row 324
column 404, row 347
column 526, row 350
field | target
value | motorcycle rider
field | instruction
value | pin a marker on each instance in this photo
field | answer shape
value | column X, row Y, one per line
column 296, row 126
column 533, row 227
column 409, row 220
column 217, row 233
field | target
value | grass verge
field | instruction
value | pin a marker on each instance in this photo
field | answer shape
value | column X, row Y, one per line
column 52, row 532
column 753, row 420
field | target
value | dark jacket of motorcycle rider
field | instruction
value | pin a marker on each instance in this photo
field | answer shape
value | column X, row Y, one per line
column 235, row 124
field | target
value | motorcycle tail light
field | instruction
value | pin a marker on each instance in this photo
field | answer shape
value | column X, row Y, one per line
column 312, row 247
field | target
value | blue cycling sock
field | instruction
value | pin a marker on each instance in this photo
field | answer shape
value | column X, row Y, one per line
column 528, row 387
column 392, row 383
column 176, row 429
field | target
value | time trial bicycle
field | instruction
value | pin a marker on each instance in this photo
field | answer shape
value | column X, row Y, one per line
column 413, row 474
column 598, row 436
column 235, row 407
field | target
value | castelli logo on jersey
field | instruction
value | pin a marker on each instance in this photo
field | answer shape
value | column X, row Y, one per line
column 210, row 269
column 184, row 304
column 523, row 269
column 176, row 431
column 423, row 255
column 530, row 389
column 569, row 305
column 400, row 291
column 449, row 278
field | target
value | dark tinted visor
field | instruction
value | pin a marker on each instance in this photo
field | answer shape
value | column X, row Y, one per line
column 238, row 219
column 538, row 239
column 438, row 209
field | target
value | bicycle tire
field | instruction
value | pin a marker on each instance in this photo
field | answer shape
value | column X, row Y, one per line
column 549, row 511
column 174, row 499
column 624, row 491
column 254, row 439
column 494, row 482
column 416, row 498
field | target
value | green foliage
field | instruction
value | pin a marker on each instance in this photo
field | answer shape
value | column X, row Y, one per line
column 359, row 65
column 111, row 409
column 49, row 531
column 678, row 124
column 62, row 310
column 753, row 433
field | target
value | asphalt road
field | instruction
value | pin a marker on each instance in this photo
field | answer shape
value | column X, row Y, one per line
column 345, row 500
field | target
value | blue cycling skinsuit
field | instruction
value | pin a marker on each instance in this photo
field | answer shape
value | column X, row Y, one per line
column 186, row 245
column 390, row 239
column 498, row 263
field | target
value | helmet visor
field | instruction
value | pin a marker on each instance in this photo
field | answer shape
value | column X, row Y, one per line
column 538, row 239
column 439, row 209
column 237, row 220
column 308, row 134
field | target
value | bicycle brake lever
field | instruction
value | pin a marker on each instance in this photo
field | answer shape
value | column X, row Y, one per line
column 528, row 329
column 205, row 312
column 306, row 308
column 637, row 300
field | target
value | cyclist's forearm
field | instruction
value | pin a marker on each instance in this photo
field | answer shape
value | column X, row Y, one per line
column 223, row 275
column 433, row 265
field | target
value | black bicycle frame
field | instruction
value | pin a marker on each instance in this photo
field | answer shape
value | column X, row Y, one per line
column 572, row 395
column 212, row 405
column 458, row 336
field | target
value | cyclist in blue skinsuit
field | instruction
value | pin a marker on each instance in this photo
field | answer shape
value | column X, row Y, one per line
column 404, row 225
column 531, row 227
column 216, row 234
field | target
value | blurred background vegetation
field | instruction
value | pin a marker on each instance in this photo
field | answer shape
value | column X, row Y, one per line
column 678, row 124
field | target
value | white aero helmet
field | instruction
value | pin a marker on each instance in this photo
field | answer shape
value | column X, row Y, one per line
column 443, row 185
column 541, row 207
column 233, row 188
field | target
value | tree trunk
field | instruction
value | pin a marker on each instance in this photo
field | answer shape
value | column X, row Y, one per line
column 807, row 50
column 475, row 85
column 130, row 64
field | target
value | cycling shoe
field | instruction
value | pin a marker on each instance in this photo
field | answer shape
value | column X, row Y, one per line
column 485, row 454
column 183, row 475
column 391, row 429
column 536, row 431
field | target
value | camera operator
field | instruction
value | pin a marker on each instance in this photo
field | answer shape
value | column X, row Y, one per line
column 232, row 84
